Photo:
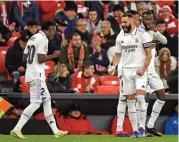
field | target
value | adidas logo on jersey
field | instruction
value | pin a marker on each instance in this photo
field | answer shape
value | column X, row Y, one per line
column 143, row 86
column 122, row 41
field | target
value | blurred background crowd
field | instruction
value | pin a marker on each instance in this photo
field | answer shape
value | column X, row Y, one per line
column 86, row 34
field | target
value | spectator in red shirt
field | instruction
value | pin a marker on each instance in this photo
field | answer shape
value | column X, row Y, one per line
column 77, row 123
column 48, row 9
column 85, row 81
column 171, row 21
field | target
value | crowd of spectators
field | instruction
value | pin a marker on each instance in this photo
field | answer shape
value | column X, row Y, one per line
column 86, row 32
column 85, row 35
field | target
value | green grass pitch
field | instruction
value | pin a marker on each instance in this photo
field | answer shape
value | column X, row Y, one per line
column 86, row 138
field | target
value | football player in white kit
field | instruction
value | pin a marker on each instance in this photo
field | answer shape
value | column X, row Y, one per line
column 133, row 49
column 155, row 83
column 35, row 54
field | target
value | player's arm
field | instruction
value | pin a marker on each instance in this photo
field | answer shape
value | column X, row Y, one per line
column 42, row 49
column 117, row 55
column 160, row 38
column 25, row 54
column 43, row 58
column 116, row 59
column 24, row 58
column 148, row 55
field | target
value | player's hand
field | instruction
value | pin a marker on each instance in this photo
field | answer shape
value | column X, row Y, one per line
column 140, row 71
column 112, row 70
column 21, row 69
column 152, row 27
column 56, row 53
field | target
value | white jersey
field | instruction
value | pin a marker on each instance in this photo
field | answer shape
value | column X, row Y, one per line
column 158, row 37
column 131, row 46
column 37, row 44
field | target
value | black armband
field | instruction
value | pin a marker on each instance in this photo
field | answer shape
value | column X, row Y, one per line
column 146, row 45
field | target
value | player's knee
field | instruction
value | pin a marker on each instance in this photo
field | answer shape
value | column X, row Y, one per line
column 131, row 103
column 161, row 95
column 35, row 106
column 140, row 99
column 46, row 100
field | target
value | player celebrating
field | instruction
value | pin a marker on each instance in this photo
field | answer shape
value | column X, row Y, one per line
column 155, row 83
column 35, row 54
column 133, row 47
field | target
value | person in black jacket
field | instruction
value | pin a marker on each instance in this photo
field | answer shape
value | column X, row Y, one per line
column 115, row 18
column 172, row 81
column 98, row 56
column 81, row 29
column 13, row 61
column 59, row 81
column 161, row 27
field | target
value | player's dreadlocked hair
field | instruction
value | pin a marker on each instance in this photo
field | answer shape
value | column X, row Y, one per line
column 46, row 25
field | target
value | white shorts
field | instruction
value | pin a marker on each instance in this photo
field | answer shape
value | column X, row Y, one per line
column 130, row 81
column 39, row 92
column 154, row 82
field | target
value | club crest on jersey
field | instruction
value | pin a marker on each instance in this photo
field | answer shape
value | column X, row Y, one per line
column 136, row 40
column 45, row 48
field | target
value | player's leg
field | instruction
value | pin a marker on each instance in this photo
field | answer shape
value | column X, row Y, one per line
column 35, row 102
column 156, row 84
column 148, row 88
column 132, row 113
column 121, row 108
column 141, row 83
column 46, row 100
column 129, row 90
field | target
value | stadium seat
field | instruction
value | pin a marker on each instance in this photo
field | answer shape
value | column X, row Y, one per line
column 16, row 34
column 3, row 51
column 108, row 90
column 24, row 85
column 9, row 78
column 109, row 80
column 110, row 83
column 49, row 67
column 11, row 41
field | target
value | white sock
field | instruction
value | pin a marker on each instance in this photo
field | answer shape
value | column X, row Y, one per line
column 26, row 114
column 49, row 116
column 138, row 116
column 157, row 107
column 132, row 113
column 121, row 109
column 142, row 110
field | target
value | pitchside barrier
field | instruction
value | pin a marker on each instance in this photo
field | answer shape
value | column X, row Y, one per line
column 100, row 110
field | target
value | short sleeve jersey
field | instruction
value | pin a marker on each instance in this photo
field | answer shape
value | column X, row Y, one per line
column 151, row 67
column 132, row 47
column 37, row 44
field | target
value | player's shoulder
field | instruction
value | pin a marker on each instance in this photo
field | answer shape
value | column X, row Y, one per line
column 141, row 30
column 121, row 33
